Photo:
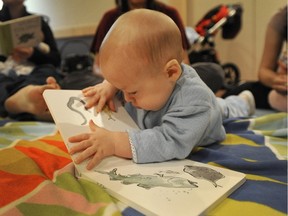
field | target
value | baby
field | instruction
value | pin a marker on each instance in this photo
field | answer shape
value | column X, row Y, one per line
column 141, row 56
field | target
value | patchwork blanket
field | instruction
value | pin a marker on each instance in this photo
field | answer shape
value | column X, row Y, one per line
column 37, row 174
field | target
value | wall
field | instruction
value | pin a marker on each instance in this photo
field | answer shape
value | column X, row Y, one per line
column 80, row 18
column 245, row 50
column 181, row 6
column 71, row 17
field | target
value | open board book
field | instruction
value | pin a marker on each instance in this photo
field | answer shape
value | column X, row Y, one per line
column 177, row 187
column 23, row 32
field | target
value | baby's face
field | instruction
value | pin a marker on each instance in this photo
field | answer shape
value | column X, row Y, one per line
column 148, row 90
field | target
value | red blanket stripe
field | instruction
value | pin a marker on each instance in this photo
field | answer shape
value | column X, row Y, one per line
column 47, row 162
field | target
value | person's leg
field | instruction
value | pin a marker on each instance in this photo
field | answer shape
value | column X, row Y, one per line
column 4, row 93
column 37, row 77
column 29, row 99
column 242, row 105
column 72, row 81
column 24, row 94
column 212, row 74
column 278, row 101
column 259, row 91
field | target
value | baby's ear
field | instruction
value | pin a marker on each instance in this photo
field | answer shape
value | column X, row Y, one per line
column 173, row 69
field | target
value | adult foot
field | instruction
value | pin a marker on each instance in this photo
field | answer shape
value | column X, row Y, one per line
column 30, row 100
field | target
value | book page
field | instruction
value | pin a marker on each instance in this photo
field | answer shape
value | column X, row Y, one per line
column 22, row 32
column 67, row 108
column 27, row 33
column 177, row 187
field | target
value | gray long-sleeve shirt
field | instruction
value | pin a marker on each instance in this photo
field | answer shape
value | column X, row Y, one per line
column 191, row 117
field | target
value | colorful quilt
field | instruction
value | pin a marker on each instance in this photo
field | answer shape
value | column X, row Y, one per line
column 37, row 175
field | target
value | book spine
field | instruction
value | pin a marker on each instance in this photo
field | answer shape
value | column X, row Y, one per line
column 6, row 40
column 1, row 40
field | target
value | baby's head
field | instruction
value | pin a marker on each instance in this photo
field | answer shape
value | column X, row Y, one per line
column 141, row 55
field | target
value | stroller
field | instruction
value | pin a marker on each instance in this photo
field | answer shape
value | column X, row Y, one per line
column 227, row 17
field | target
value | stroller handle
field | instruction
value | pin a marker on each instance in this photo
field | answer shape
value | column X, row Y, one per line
column 218, row 17
column 232, row 12
column 222, row 21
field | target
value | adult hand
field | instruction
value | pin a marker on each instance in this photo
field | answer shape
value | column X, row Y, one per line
column 20, row 54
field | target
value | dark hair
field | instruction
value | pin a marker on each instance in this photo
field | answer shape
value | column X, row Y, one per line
column 124, row 6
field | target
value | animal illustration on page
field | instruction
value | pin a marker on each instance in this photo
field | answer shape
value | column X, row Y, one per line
column 25, row 38
column 108, row 112
column 77, row 105
column 205, row 173
column 72, row 105
column 150, row 181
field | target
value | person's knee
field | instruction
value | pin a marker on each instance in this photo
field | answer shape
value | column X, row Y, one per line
column 212, row 74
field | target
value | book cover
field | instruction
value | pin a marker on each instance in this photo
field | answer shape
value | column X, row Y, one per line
column 177, row 187
column 22, row 32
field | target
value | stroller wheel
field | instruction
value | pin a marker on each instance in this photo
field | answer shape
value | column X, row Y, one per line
column 232, row 75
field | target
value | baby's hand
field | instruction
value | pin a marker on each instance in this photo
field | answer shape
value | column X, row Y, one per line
column 100, row 95
column 95, row 145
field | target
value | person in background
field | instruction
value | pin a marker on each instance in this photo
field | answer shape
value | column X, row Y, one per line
column 273, row 67
column 171, row 105
column 278, row 98
column 39, row 63
column 270, row 92
column 13, row 9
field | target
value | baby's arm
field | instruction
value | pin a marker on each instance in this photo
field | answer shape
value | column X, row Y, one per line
column 180, row 130
column 100, row 95
column 98, row 144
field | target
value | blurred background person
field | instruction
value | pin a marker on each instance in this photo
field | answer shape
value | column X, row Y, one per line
column 25, row 66
column 272, row 72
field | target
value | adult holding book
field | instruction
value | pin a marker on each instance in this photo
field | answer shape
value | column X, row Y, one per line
column 34, row 64
column 13, row 9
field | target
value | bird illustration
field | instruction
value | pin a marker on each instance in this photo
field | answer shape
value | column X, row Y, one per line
column 205, row 173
